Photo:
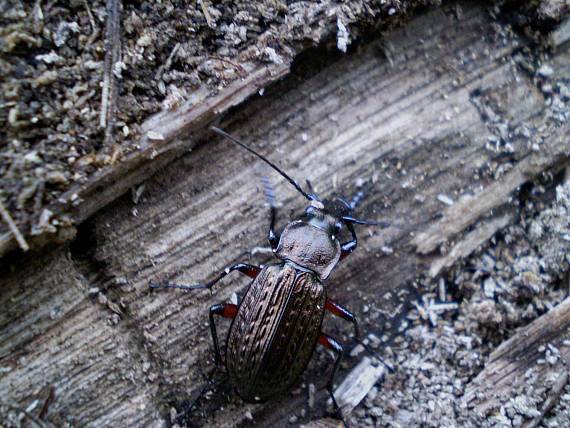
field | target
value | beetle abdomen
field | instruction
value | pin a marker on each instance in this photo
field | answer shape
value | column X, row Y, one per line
column 275, row 331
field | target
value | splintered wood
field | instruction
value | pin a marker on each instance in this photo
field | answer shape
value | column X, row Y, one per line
column 13, row 228
column 539, row 350
column 459, row 216
column 561, row 34
column 357, row 384
column 470, row 243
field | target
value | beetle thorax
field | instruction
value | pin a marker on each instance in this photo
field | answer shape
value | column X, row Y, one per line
column 310, row 247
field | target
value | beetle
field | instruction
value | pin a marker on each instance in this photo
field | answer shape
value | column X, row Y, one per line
column 277, row 325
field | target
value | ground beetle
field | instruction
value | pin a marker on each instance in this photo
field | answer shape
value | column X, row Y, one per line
column 277, row 325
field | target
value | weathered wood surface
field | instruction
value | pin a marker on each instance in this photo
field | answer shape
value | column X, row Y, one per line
column 403, row 113
column 540, row 350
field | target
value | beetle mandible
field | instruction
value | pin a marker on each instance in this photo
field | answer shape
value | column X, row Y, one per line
column 277, row 325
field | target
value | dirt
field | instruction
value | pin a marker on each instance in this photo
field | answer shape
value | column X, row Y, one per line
column 59, row 126
column 520, row 276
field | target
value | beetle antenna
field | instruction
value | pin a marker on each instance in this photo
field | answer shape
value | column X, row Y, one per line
column 313, row 194
column 263, row 158
column 366, row 222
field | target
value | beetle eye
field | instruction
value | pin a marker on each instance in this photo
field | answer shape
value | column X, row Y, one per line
column 338, row 227
column 310, row 211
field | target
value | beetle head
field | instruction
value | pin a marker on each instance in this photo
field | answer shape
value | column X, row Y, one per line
column 328, row 214
column 332, row 214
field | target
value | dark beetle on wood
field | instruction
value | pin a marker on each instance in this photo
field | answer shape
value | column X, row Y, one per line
column 277, row 325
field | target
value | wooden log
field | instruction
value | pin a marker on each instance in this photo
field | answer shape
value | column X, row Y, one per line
column 410, row 127
column 60, row 332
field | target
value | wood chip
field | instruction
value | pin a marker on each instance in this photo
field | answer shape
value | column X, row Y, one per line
column 469, row 243
column 561, row 34
column 357, row 384
column 324, row 423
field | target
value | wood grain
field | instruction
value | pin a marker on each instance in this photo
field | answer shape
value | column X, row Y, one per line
column 511, row 363
column 57, row 333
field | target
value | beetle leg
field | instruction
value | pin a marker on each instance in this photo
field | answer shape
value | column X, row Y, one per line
column 344, row 313
column 226, row 310
column 271, row 235
column 349, row 246
column 247, row 269
column 270, row 196
column 333, row 345
column 341, row 311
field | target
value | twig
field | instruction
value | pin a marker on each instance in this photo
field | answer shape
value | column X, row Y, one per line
column 207, row 15
column 94, row 28
column 238, row 67
column 13, row 228
column 112, row 55
column 90, row 15
column 49, row 400
column 168, row 62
